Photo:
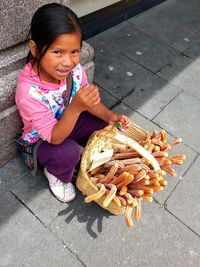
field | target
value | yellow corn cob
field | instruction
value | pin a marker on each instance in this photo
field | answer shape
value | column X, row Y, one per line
column 96, row 195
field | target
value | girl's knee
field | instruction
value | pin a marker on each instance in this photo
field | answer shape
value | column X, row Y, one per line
column 70, row 152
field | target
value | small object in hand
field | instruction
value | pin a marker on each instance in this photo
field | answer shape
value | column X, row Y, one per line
column 122, row 126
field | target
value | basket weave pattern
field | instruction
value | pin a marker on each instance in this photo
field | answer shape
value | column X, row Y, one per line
column 94, row 146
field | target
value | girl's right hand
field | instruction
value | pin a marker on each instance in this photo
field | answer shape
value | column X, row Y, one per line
column 87, row 97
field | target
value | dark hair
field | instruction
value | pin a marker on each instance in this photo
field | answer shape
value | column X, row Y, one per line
column 48, row 22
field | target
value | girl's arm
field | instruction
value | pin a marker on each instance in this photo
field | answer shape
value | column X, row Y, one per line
column 84, row 99
column 102, row 112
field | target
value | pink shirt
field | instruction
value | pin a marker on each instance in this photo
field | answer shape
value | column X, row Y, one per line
column 41, row 104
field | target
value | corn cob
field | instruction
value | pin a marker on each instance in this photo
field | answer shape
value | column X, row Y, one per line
column 141, row 175
column 163, row 136
column 176, row 141
column 169, row 170
column 127, row 181
column 128, row 212
column 145, row 189
column 135, row 193
column 129, row 198
column 147, row 197
column 126, row 155
column 96, row 195
column 123, row 190
column 110, row 174
column 120, row 178
column 117, row 201
column 163, row 182
column 178, row 157
column 110, row 195
column 137, row 215
column 123, row 200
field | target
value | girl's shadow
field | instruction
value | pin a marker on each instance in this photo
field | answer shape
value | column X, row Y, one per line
column 85, row 212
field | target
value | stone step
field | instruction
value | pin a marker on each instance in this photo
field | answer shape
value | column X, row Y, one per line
column 13, row 58
column 8, row 151
column 7, row 89
column 10, row 124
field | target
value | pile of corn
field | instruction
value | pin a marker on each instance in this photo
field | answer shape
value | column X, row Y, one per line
column 129, row 177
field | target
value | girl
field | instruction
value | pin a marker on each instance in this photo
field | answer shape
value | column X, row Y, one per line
column 42, row 98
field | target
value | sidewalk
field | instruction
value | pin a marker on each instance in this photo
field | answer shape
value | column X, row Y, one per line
column 148, row 68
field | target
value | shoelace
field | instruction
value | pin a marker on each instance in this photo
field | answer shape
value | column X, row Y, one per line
column 68, row 188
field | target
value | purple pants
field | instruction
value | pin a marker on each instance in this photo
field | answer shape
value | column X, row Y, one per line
column 61, row 159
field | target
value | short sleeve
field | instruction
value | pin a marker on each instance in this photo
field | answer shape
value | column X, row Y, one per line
column 84, row 81
column 38, row 116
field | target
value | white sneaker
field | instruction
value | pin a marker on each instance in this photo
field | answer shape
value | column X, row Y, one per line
column 63, row 192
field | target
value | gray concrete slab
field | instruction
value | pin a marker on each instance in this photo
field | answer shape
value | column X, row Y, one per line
column 195, row 4
column 182, row 119
column 193, row 51
column 35, row 193
column 152, row 96
column 161, row 197
column 171, row 23
column 139, row 46
column 184, row 73
column 8, row 151
column 184, row 201
column 114, row 72
column 157, row 240
column 108, row 99
column 11, row 174
column 25, row 241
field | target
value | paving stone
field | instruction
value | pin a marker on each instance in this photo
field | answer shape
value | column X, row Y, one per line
column 12, row 173
column 182, row 119
column 26, row 242
column 105, row 240
column 182, row 148
column 108, row 99
column 8, row 85
column 193, row 51
column 113, row 30
column 161, row 197
column 7, row 152
column 184, row 73
column 13, row 58
column 34, row 191
column 184, row 201
column 140, row 47
column 152, row 96
column 195, row 4
column 171, row 23
column 114, row 71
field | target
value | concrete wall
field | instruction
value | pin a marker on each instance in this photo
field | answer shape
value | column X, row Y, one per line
column 82, row 8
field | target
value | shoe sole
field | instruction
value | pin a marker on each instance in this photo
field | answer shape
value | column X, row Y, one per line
column 60, row 199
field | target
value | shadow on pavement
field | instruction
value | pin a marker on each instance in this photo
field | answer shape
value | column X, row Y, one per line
column 88, row 213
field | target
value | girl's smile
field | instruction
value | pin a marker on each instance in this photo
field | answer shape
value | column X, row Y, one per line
column 60, row 58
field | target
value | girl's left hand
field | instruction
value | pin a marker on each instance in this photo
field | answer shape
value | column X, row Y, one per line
column 114, row 118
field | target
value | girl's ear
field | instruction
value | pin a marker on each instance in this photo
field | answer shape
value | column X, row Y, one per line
column 32, row 48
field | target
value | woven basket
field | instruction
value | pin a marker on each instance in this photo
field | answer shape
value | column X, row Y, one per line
column 96, row 143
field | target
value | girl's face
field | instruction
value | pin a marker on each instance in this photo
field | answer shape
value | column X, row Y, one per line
column 60, row 58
